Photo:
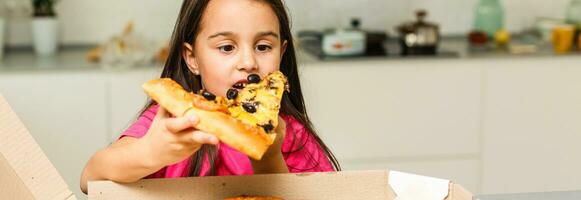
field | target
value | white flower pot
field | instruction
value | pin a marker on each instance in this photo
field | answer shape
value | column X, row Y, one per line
column 45, row 35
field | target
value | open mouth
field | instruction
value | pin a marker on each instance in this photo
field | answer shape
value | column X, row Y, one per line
column 240, row 84
column 252, row 78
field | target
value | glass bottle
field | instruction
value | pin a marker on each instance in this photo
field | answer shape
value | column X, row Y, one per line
column 489, row 17
column 574, row 12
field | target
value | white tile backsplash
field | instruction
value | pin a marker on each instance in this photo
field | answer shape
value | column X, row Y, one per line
column 453, row 16
column 87, row 21
column 374, row 14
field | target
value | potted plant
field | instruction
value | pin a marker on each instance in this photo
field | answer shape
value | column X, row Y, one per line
column 44, row 27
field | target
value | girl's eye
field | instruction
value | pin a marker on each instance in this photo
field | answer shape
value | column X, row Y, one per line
column 226, row 48
column 263, row 48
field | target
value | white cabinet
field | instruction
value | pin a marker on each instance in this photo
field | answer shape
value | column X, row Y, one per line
column 420, row 117
column 390, row 109
column 498, row 125
column 66, row 113
column 532, row 132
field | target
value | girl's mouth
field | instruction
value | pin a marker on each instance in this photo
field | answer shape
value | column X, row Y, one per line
column 240, row 84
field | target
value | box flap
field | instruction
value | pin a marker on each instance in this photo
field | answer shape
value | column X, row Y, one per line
column 412, row 186
column 333, row 185
column 27, row 167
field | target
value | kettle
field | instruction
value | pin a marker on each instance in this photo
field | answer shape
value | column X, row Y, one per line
column 419, row 37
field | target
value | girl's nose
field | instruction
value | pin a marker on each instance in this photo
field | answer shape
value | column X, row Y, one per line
column 247, row 61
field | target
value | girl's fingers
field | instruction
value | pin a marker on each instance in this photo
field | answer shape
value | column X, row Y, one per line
column 179, row 124
column 204, row 138
column 161, row 113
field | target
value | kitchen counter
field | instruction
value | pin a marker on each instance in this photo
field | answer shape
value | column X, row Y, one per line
column 564, row 195
column 68, row 59
column 450, row 48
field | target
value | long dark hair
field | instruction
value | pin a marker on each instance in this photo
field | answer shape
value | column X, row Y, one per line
column 186, row 28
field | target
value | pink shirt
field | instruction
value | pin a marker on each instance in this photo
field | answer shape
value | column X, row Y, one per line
column 305, row 153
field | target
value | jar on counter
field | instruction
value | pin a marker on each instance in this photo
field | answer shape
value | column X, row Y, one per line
column 489, row 17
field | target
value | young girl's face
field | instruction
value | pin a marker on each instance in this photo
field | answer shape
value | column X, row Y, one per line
column 236, row 38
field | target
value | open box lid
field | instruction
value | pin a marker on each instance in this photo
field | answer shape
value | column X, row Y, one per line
column 25, row 171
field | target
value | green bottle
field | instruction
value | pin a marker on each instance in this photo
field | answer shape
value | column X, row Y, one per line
column 574, row 12
column 489, row 17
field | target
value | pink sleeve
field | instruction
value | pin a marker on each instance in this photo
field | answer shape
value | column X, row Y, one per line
column 142, row 124
column 139, row 128
column 301, row 150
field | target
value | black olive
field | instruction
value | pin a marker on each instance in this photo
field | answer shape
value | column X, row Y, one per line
column 253, row 78
column 232, row 93
column 249, row 107
column 208, row 95
column 267, row 127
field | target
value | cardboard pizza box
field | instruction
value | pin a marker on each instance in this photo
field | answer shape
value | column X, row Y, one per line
column 344, row 185
column 26, row 173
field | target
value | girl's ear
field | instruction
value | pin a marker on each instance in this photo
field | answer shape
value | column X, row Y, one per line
column 188, row 55
column 284, row 44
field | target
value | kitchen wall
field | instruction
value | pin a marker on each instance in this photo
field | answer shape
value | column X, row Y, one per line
column 87, row 21
column 454, row 16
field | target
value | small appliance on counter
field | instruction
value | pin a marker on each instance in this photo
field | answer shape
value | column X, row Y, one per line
column 344, row 42
column 419, row 37
column 340, row 42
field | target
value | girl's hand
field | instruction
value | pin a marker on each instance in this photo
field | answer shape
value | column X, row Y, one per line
column 171, row 140
column 276, row 147
column 272, row 161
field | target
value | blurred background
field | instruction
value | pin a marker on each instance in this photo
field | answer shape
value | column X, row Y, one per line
column 486, row 93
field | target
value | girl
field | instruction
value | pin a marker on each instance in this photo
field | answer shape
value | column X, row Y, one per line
column 215, row 44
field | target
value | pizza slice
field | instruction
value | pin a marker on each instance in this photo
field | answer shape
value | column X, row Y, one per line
column 214, row 118
column 245, row 120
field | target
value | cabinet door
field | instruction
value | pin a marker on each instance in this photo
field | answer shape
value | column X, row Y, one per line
column 377, row 110
column 65, row 113
column 532, row 126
